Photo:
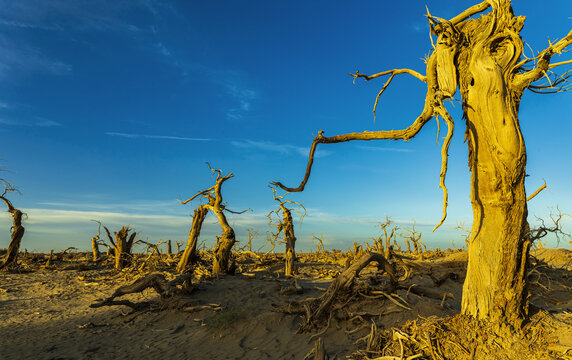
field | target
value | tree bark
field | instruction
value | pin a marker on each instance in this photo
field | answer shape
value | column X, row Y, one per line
column 483, row 55
column 290, row 239
column 15, row 239
column 95, row 248
column 189, row 254
column 121, row 246
column 495, row 285
column 223, row 263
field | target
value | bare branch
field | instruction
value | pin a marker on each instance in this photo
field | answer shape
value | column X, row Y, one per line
column 473, row 10
column 522, row 81
column 238, row 212
column 537, row 192
column 444, row 160
column 197, row 194
column 109, row 236
column 404, row 134
column 388, row 72
column 559, row 64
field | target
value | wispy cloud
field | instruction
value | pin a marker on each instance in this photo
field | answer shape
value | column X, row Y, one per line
column 378, row 148
column 25, row 25
column 24, row 58
column 36, row 122
column 235, row 85
column 158, row 137
column 282, row 149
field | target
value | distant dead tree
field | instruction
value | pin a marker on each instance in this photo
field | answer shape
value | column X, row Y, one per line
column 285, row 225
column 122, row 246
column 17, row 230
column 483, row 56
column 223, row 263
column 388, row 235
column 414, row 237
column 95, row 242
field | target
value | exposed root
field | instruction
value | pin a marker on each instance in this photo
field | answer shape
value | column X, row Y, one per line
column 340, row 291
column 156, row 281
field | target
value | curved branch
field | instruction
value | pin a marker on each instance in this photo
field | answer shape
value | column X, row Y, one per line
column 536, row 192
column 473, row 10
column 404, row 134
column 197, row 194
column 237, row 212
column 522, row 81
column 444, row 160
column 393, row 72
column 8, row 203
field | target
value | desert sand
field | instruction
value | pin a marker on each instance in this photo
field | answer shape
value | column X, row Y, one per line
column 45, row 309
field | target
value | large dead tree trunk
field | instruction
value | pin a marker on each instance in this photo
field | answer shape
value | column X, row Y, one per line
column 17, row 229
column 222, row 263
column 122, row 246
column 290, row 239
column 495, row 285
column 15, row 239
column 484, row 57
column 190, row 252
column 286, row 226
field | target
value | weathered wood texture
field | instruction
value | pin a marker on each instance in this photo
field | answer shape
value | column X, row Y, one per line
column 482, row 56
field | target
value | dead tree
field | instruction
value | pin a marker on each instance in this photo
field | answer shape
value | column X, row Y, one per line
column 95, row 243
column 415, row 237
column 286, row 226
column 122, row 246
column 223, row 263
column 190, row 253
column 483, row 56
column 319, row 309
column 17, row 230
column 386, row 237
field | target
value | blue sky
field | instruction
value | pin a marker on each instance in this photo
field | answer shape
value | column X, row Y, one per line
column 110, row 109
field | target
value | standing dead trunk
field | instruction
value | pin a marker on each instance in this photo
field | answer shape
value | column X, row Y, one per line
column 95, row 243
column 122, row 246
column 483, row 55
column 17, row 228
column 223, row 263
column 95, row 248
column 15, row 238
column 286, row 226
column 495, row 286
column 169, row 248
column 189, row 255
column 290, row 239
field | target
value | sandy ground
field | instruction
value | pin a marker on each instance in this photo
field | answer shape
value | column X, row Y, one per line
column 45, row 314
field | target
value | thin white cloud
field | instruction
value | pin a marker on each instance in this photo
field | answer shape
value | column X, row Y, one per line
column 282, row 149
column 159, row 137
column 24, row 25
column 37, row 122
column 19, row 57
column 234, row 84
column 379, row 148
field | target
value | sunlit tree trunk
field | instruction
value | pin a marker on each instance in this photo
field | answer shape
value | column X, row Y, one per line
column 15, row 239
column 483, row 55
column 223, row 263
column 495, row 286
column 290, row 239
column 17, row 230
column 190, row 252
